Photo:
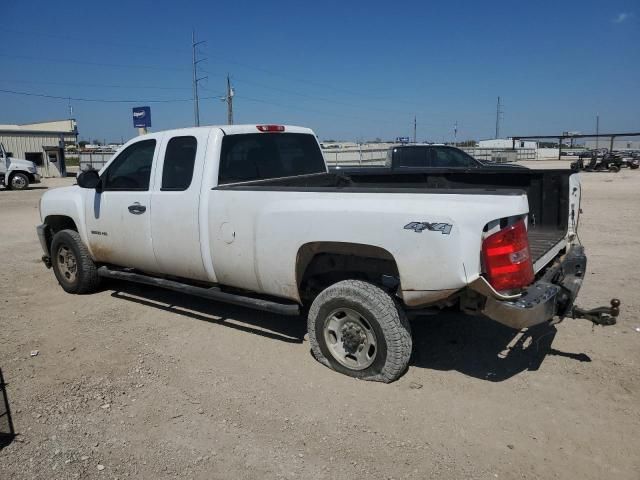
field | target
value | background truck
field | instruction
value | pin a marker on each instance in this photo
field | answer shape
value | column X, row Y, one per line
column 425, row 157
column 249, row 214
column 16, row 173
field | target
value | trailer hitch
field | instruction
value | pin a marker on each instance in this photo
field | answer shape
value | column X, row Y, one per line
column 603, row 316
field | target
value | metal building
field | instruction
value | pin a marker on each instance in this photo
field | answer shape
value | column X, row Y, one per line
column 42, row 143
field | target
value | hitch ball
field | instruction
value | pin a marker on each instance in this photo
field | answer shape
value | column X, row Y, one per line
column 615, row 307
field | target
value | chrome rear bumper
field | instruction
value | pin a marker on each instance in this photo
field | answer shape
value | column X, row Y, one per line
column 549, row 297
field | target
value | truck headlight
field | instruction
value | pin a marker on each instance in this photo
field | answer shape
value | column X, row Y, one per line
column 32, row 169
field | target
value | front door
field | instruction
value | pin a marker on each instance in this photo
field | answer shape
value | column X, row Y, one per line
column 119, row 217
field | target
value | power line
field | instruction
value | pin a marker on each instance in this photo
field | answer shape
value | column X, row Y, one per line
column 98, row 100
column 94, row 41
column 95, row 64
column 68, row 98
column 165, row 49
column 92, row 85
column 314, row 97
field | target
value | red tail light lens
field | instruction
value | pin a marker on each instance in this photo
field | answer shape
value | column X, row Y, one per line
column 507, row 259
column 270, row 128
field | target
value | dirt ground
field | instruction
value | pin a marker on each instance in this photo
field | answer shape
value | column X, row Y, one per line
column 135, row 382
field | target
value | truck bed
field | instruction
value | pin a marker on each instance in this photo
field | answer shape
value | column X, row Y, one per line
column 547, row 192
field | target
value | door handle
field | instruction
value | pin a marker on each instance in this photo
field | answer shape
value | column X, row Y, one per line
column 137, row 209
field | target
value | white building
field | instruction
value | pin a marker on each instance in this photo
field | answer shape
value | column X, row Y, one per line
column 506, row 143
column 41, row 143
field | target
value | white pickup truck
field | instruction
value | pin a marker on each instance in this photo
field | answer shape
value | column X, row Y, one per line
column 249, row 214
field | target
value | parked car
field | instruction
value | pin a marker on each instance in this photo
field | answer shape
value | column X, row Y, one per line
column 250, row 215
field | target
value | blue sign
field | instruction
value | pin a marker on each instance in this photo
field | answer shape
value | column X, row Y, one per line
column 402, row 139
column 141, row 117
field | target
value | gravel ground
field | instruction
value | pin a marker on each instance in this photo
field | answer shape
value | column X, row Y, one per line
column 135, row 382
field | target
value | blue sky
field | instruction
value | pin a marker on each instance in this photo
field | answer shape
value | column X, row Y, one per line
column 349, row 70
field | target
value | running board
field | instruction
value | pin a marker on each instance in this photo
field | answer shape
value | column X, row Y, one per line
column 213, row 293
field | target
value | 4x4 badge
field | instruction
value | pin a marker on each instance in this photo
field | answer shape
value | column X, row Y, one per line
column 418, row 227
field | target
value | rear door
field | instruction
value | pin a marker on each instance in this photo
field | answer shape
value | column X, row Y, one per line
column 175, row 204
column 118, row 218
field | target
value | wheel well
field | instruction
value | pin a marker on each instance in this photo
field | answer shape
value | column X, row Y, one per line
column 321, row 264
column 56, row 223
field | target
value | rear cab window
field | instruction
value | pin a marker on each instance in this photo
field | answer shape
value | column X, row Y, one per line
column 261, row 156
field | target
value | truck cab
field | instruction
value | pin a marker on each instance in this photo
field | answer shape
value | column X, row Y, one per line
column 16, row 173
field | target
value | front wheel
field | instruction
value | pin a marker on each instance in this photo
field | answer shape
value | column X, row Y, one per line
column 72, row 264
column 18, row 181
column 357, row 329
column 614, row 168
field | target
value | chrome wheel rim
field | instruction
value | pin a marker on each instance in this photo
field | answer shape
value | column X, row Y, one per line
column 67, row 264
column 350, row 338
column 18, row 182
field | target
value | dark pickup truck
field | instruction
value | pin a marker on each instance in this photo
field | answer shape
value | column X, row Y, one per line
column 421, row 158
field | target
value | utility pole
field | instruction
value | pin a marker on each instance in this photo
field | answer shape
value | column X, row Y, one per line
column 229, row 99
column 455, row 134
column 597, row 130
column 196, row 61
column 498, row 114
column 415, row 127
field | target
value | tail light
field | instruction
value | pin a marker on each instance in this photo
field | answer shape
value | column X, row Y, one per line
column 270, row 128
column 507, row 259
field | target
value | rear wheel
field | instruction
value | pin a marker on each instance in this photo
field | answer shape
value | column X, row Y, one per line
column 18, row 181
column 357, row 329
column 72, row 265
column 614, row 168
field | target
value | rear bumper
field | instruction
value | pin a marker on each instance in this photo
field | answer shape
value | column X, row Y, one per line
column 551, row 296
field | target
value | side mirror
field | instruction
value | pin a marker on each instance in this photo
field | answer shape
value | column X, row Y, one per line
column 89, row 179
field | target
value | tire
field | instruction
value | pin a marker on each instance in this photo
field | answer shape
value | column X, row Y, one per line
column 72, row 265
column 633, row 166
column 18, row 181
column 353, row 316
column 614, row 168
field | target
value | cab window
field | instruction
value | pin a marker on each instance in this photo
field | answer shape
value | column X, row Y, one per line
column 407, row 157
column 445, row 157
column 179, row 159
column 131, row 170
